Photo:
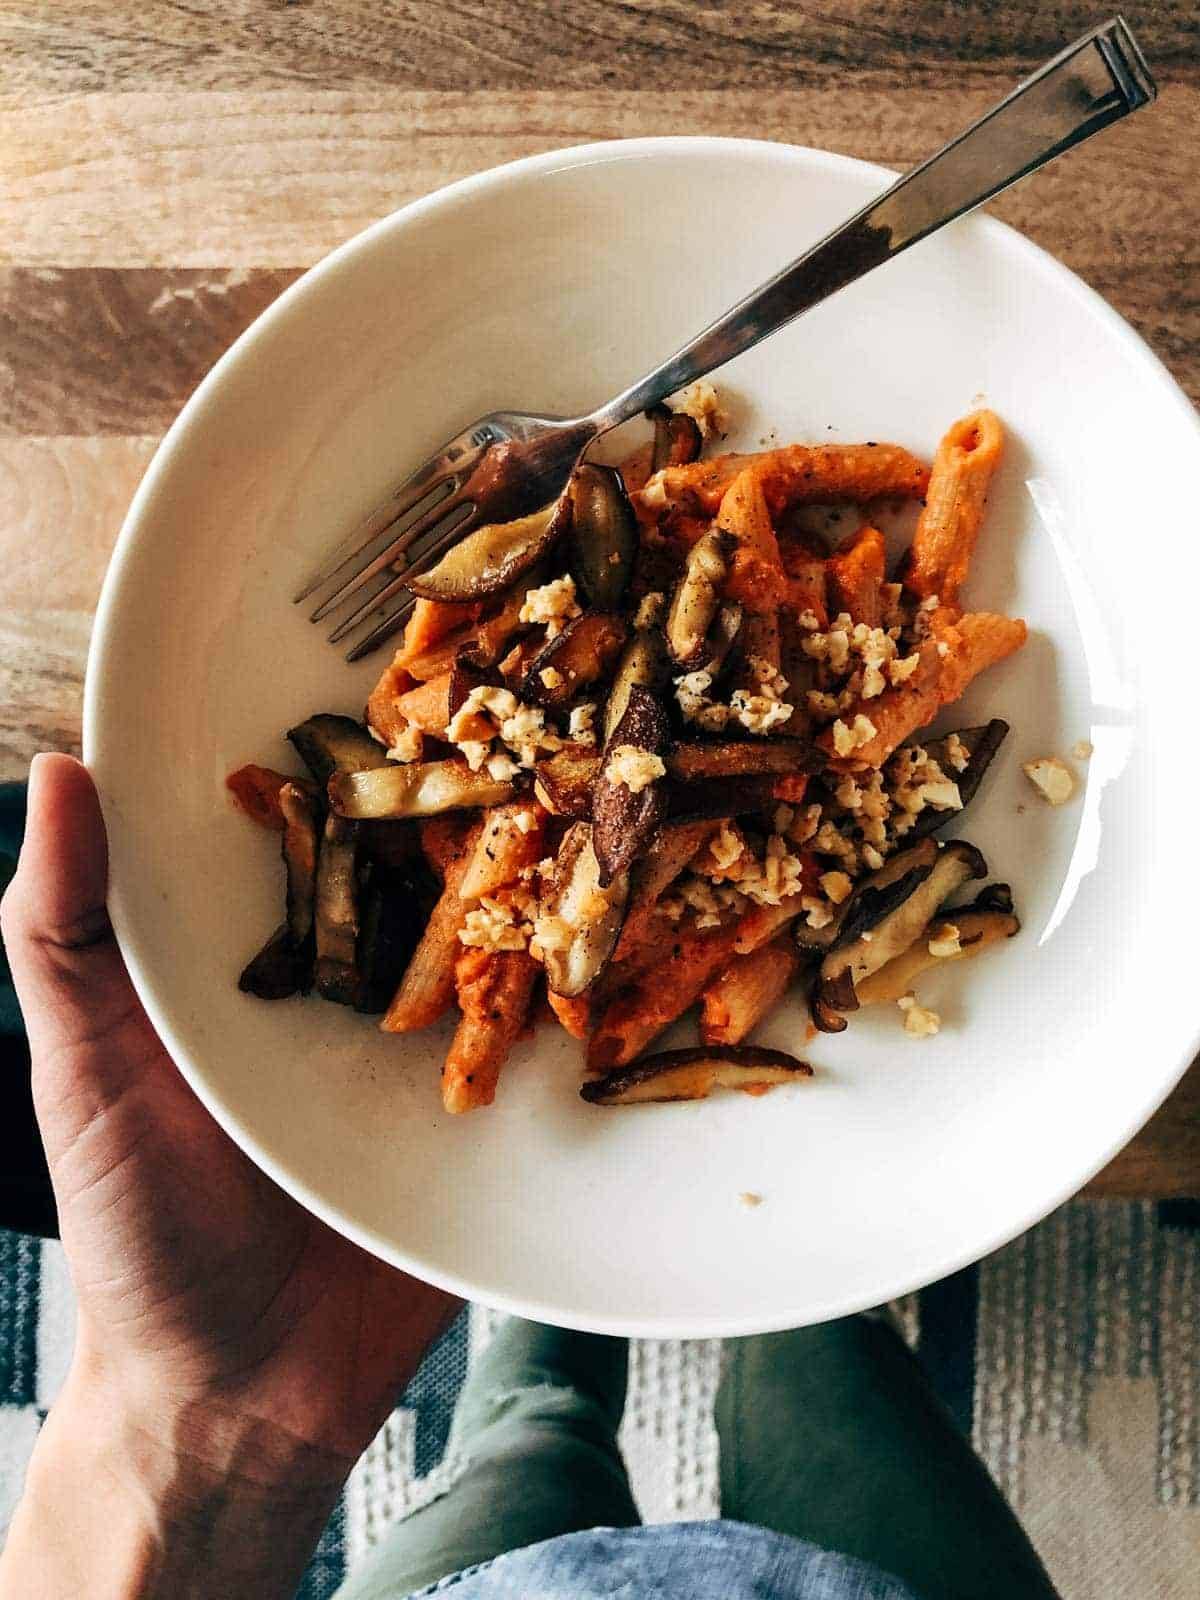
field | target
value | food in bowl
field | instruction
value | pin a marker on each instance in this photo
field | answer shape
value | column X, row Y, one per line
column 656, row 745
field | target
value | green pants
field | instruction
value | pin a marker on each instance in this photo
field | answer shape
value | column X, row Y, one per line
column 830, row 1434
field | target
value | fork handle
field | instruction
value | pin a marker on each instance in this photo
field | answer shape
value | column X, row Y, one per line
column 1094, row 82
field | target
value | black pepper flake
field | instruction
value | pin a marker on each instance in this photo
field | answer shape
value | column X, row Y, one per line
column 871, row 444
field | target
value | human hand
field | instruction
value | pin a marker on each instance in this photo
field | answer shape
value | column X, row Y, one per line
column 231, row 1329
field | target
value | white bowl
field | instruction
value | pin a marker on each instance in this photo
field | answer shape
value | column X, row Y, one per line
column 548, row 285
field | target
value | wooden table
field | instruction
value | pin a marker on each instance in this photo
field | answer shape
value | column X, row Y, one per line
column 166, row 170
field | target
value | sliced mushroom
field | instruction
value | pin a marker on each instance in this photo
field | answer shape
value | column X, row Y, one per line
column 677, row 438
column 977, row 932
column 301, row 820
column 278, row 970
column 981, row 745
column 867, row 948
column 328, row 744
column 466, row 674
column 394, row 914
column 697, row 596
column 718, row 797
column 421, row 789
column 995, row 897
column 563, row 782
column 872, row 898
column 693, row 1074
column 584, row 913
column 582, row 654
column 722, row 637
column 336, row 921
column 624, row 820
column 825, row 1018
column 603, row 534
column 284, row 965
column 644, row 662
column 739, row 758
column 492, row 558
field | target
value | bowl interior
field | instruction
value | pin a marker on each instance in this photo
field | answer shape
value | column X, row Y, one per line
column 549, row 286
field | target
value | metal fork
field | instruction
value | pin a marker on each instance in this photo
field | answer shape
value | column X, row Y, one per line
column 507, row 463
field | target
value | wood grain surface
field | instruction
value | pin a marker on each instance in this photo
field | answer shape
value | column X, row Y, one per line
column 166, row 170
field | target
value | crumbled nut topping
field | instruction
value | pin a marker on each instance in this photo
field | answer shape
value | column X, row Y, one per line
column 1052, row 778
column 551, row 677
column 919, row 1021
column 492, row 925
column 701, row 403
column 553, row 604
column 580, row 724
column 636, row 769
column 846, row 740
column 489, row 713
column 1083, row 749
column 409, row 745
column 944, row 940
column 837, row 886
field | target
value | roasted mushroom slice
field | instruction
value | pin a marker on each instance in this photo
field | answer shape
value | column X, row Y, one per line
column 697, row 596
column 738, row 758
column 394, row 913
column 628, row 797
column 981, row 744
column 718, row 797
column 337, row 973
column 327, row 744
column 581, row 918
column 278, row 970
column 644, row 662
column 301, row 821
column 563, row 782
column 284, row 966
column 974, row 932
column 603, row 534
column 421, row 789
column 677, row 438
column 582, row 654
column 693, row 1074
column 873, row 898
column 864, row 949
column 825, row 1018
column 492, row 558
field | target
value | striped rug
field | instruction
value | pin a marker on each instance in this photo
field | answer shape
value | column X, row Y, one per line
column 1072, row 1357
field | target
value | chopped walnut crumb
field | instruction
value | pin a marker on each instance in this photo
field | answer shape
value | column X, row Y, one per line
column 846, row 740
column 749, row 1198
column 837, row 886
column 502, row 768
column 944, row 940
column 957, row 753
column 492, row 925
column 636, row 769
column 919, row 1021
column 553, row 604
column 1052, row 778
column 701, row 402
column 551, row 677
column 1083, row 749
column 409, row 745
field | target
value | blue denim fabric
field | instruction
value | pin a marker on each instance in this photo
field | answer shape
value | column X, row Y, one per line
column 673, row 1561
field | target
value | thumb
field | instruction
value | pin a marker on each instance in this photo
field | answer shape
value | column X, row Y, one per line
column 75, row 994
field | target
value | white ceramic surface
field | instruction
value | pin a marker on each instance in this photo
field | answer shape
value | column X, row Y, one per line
column 548, row 285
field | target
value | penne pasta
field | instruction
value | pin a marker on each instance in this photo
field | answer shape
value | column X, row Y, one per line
column 512, row 837
column 574, row 1015
column 655, row 999
column 745, row 990
column 756, row 577
column 427, row 706
column 427, row 988
column 854, row 575
column 949, row 523
column 494, row 990
column 792, row 475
